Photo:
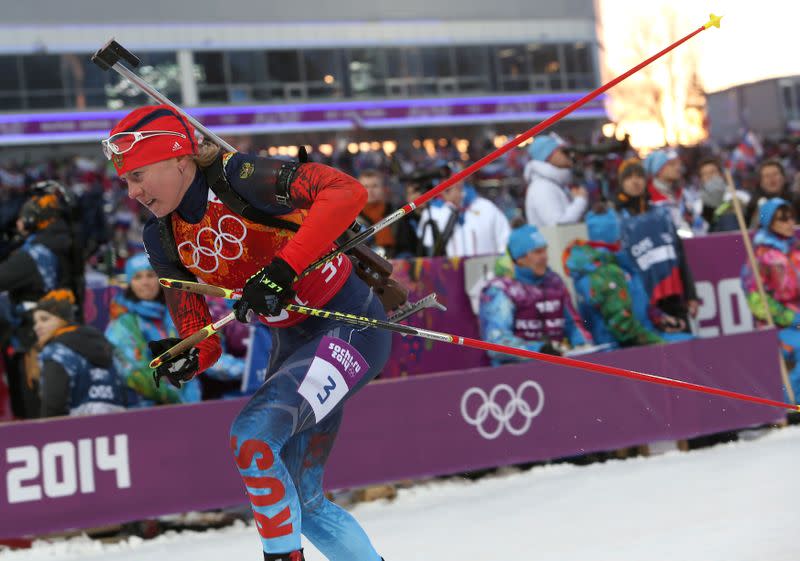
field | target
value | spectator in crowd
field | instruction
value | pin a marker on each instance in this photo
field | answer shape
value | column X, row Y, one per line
column 651, row 242
column 43, row 262
column 463, row 224
column 531, row 310
column 608, row 296
column 611, row 296
column 407, row 240
column 712, row 193
column 718, row 211
column 777, row 254
column 139, row 315
column 549, row 200
column 771, row 183
column 77, row 375
column 376, row 209
column 665, row 173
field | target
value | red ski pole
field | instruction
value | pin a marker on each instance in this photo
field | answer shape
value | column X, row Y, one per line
column 524, row 353
column 421, row 200
column 207, row 290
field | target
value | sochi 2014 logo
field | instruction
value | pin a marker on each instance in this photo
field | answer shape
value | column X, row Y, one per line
column 502, row 408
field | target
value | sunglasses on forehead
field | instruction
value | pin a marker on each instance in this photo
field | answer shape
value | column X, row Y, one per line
column 123, row 142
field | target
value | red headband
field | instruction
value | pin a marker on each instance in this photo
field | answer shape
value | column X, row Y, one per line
column 156, row 148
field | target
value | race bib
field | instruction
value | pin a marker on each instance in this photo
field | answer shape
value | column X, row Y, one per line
column 337, row 367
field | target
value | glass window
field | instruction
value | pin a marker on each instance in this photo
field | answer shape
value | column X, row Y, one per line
column 546, row 63
column 404, row 72
column 42, row 72
column 10, row 101
column 788, row 102
column 577, row 58
column 472, row 68
column 212, row 68
column 437, row 62
column 366, row 72
column 283, row 66
column 545, row 58
column 84, row 82
column 247, row 67
column 284, row 78
column 9, row 74
column 10, row 83
column 472, row 61
column 396, row 65
column 512, row 67
column 797, row 98
column 323, row 72
column 211, row 83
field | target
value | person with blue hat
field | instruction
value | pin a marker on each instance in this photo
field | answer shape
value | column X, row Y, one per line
column 609, row 291
column 777, row 253
column 138, row 316
column 531, row 309
column 549, row 199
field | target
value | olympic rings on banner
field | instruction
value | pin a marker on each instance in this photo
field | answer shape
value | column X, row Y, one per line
column 225, row 245
column 489, row 407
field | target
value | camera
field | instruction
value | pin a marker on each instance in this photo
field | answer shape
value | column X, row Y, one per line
column 427, row 179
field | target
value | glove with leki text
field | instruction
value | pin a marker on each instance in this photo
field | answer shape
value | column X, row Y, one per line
column 267, row 291
column 180, row 368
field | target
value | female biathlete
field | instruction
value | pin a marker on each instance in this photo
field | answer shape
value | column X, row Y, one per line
column 284, row 435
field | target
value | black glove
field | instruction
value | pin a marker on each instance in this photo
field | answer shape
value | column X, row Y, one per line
column 267, row 291
column 550, row 349
column 181, row 368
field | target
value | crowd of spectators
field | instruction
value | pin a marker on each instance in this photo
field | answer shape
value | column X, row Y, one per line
column 630, row 277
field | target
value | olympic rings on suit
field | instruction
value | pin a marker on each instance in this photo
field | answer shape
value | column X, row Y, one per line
column 225, row 245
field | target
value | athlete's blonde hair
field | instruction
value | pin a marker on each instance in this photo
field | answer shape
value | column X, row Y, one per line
column 206, row 152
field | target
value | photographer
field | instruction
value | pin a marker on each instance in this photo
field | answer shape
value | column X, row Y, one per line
column 410, row 231
column 46, row 260
column 466, row 223
column 549, row 200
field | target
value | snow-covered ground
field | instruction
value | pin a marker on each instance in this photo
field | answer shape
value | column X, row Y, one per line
column 736, row 502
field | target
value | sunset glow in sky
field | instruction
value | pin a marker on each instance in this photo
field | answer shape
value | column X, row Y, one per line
column 757, row 40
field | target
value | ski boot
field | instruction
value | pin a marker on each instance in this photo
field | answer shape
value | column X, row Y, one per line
column 291, row 556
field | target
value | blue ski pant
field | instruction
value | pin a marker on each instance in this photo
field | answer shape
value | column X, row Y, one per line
column 281, row 449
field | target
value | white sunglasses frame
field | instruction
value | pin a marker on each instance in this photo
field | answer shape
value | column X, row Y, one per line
column 138, row 136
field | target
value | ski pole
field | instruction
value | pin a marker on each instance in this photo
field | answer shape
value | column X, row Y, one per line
column 219, row 292
column 486, row 346
column 424, row 198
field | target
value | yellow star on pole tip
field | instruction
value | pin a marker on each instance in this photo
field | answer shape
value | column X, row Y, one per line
column 713, row 20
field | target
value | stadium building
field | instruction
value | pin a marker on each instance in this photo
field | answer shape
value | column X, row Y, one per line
column 309, row 72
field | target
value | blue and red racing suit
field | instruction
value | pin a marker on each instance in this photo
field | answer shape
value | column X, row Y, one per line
column 283, row 436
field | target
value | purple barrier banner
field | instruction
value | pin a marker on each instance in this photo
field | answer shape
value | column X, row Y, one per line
column 716, row 263
column 341, row 115
column 82, row 472
column 412, row 355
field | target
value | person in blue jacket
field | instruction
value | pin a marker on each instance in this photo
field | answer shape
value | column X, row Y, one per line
column 77, row 374
column 531, row 309
column 610, row 295
column 651, row 243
